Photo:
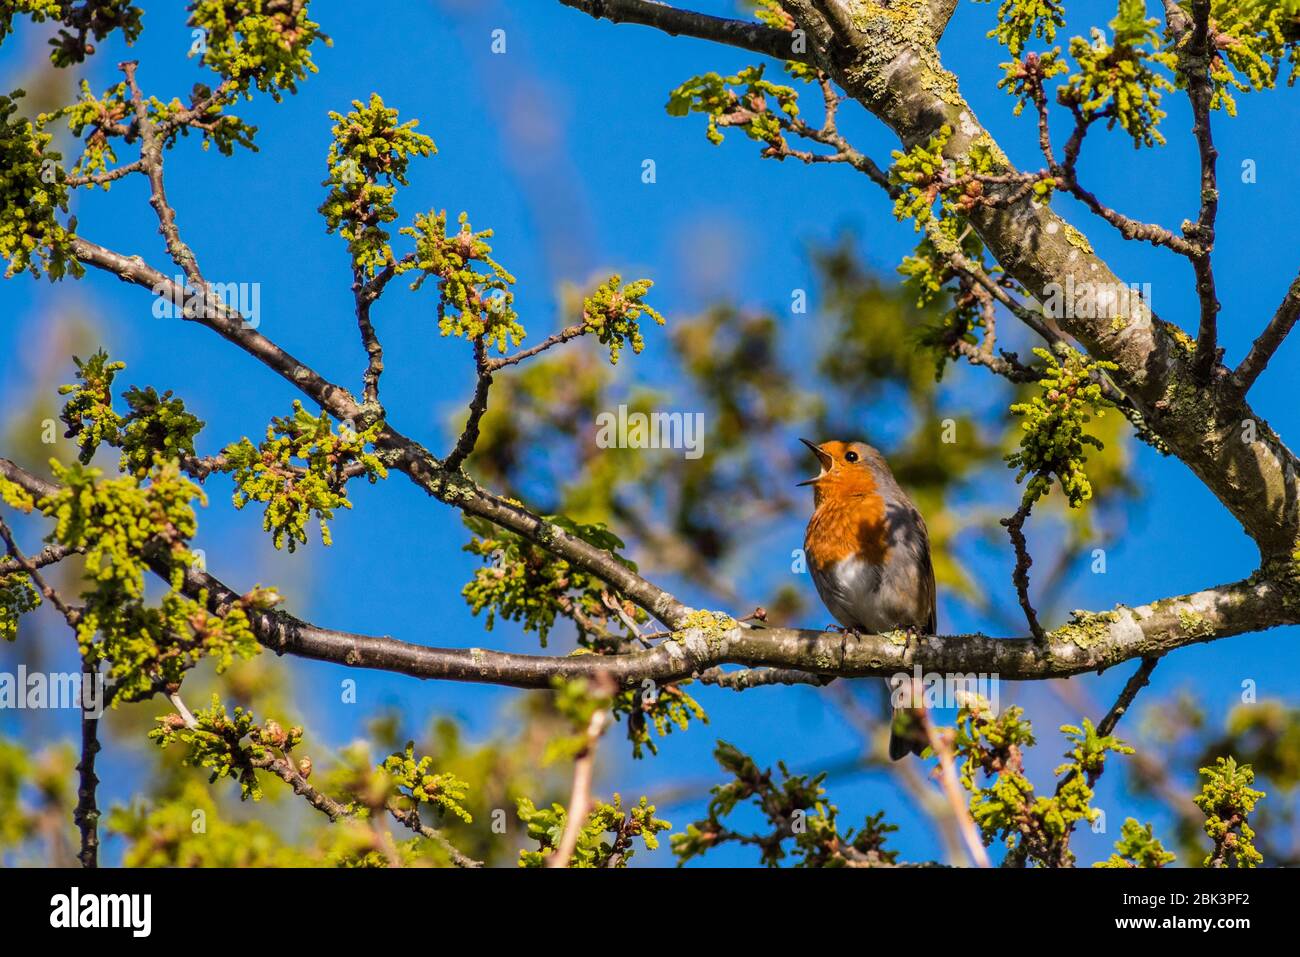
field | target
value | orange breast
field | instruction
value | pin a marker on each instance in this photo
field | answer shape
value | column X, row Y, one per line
column 844, row 525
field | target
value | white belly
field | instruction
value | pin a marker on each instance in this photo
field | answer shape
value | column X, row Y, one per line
column 866, row 597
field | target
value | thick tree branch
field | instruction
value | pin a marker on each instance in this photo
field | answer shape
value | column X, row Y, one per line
column 1092, row 642
column 745, row 678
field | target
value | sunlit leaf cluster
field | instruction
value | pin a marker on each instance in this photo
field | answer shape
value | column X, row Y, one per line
column 32, row 197
column 521, row 581
column 472, row 304
column 802, row 822
column 1227, row 799
column 606, row 838
column 262, row 44
column 82, row 24
column 415, row 777
column 367, row 161
column 1035, row 829
column 301, row 469
column 1054, row 440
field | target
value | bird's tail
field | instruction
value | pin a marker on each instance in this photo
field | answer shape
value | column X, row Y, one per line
column 906, row 734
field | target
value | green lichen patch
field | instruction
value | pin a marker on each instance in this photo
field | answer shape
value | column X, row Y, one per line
column 713, row 626
column 1076, row 238
column 1085, row 628
column 1194, row 624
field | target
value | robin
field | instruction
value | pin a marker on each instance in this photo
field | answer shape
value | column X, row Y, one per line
column 869, row 555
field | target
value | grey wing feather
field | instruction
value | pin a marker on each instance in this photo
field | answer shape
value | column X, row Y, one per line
column 927, row 578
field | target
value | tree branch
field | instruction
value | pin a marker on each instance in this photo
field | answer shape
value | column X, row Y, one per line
column 86, row 813
column 404, row 454
column 49, row 555
column 1194, row 64
column 580, row 798
column 1091, row 642
column 1020, row 575
column 746, row 678
column 745, row 34
column 411, row 818
column 953, row 792
column 227, row 323
column 477, row 408
column 1139, row 680
column 364, row 294
column 1262, row 349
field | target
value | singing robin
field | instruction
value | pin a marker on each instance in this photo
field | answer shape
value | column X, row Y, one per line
column 869, row 555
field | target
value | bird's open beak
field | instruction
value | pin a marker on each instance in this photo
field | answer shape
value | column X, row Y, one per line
column 823, row 458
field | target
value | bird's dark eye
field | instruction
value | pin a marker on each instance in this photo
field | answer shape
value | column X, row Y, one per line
column 850, row 456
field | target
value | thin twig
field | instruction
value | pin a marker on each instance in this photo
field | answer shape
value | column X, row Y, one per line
column 186, row 715
column 364, row 295
column 151, row 158
column 49, row 555
column 1194, row 64
column 564, row 335
column 1020, row 574
column 71, row 615
column 477, row 408
column 86, row 813
column 410, row 817
column 1136, row 682
column 1263, row 348
column 952, row 789
column 1139, row 680
column 580, row 799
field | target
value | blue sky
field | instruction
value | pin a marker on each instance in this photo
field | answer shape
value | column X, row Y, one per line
column 545, row 144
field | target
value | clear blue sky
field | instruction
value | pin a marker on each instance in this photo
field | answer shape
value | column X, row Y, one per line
column 545, row 144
